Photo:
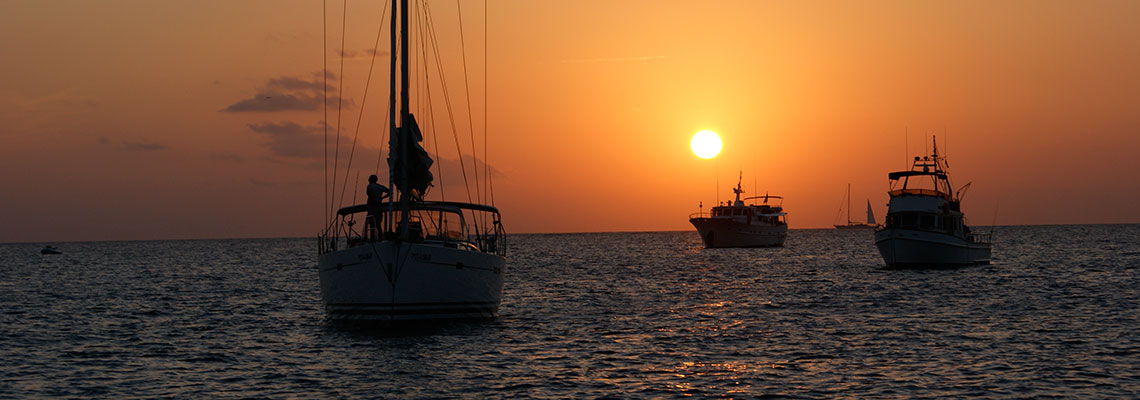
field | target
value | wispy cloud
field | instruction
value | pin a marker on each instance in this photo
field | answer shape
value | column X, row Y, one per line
column 289, row 37
column 611, row 60
column 367, row 53
column 290, row 139
column 293, row 83
column 131, row 146
column 141, row 146
column 226, row 157
column 275, row 101
column 290, row 93
column 259, row 182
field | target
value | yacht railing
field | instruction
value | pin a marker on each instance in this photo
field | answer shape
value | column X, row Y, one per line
column 923, row 192
column 981, row 237
column 344, row 232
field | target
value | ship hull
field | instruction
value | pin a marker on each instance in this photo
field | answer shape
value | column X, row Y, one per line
column 727, row 233
column 400, row 281
column 906, row 248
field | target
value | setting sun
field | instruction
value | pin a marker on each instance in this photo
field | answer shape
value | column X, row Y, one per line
column 706, row 144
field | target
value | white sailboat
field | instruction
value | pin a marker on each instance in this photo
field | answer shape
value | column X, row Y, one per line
column 854, row 224
column 925, row 224
column 427, row 260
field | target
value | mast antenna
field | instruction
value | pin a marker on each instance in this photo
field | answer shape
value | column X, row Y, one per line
column 994, row 222
column 906, row 150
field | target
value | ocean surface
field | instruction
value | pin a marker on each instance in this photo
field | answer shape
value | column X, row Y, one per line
column 618, row 315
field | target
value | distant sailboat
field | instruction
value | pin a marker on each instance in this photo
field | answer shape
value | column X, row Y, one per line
column 857, row 225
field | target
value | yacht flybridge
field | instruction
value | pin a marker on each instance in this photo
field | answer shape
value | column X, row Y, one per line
column 411, row 259
column 743, row 225
column 925, row 225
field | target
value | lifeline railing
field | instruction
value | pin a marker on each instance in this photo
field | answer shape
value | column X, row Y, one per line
column 342, row 233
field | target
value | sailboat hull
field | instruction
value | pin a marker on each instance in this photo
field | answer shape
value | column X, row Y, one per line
column 906, row 248
column 717, row 232
column 400, row 281
column 856, row 227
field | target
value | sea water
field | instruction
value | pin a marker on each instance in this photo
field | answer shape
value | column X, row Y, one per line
column 623, row 315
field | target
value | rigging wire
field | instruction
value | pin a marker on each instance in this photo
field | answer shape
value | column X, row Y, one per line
column 383, row 141
column 363, row 101
column 426, row 99
column 839, row 212
column 340, row 101
column 447, row 102
column 486, row 133
column 430, row 29
column 467, row 94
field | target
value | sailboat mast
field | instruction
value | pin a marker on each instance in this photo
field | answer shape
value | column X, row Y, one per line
column 392, row 139
column 848, row 204
column 405, row 198
column 404, row 96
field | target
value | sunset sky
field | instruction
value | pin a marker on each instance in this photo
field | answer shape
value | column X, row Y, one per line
column 202, row 119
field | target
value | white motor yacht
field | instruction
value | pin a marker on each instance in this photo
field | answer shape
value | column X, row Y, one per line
column 743, row 225
column 925, row 225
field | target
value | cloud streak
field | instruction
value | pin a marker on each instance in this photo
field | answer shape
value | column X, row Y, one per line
column 131, row 146
column 142, row 146
column 290, row 93
column 290, row 139
column 611, row 60
column 226, row 157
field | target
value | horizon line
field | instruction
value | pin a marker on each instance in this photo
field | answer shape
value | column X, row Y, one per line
column 520, row 233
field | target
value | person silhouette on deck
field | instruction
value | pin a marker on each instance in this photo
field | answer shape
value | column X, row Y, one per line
column 376, row 194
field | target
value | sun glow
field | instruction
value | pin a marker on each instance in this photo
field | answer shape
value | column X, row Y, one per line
column 705, row 144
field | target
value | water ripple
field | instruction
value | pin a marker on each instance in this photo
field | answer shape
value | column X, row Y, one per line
column 622, row 315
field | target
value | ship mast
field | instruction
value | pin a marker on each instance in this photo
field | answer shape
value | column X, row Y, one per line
column 398, row 141
column 848, row 204
column 405, row 198
column 393, row 122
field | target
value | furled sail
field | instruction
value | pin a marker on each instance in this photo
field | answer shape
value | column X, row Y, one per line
column 418, row 162
column 870, row 214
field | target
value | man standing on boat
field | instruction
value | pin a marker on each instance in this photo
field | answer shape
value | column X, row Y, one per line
column 376, row 193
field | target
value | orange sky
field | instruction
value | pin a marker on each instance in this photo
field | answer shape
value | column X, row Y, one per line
column 149, row 120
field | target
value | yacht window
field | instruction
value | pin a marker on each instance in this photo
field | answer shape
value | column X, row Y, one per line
column 909, row 220
column 926, row 221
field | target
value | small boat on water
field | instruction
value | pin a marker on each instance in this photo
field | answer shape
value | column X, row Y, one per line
column 415, row 260
column 854, row 224
column 743, row 225
column 925, row 225
column 50, row 250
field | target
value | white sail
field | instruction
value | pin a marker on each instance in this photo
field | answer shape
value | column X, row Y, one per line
column 870, row 214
